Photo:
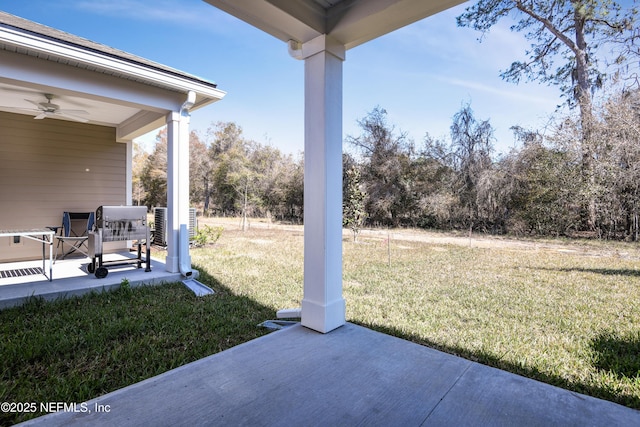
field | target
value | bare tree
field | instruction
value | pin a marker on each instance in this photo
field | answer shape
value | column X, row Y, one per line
column 471, row 147
column 618, row 167
column 387, row 160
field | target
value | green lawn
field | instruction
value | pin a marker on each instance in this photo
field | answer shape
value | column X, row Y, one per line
column 566, row 315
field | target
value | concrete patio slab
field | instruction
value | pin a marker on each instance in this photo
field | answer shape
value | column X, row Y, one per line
column 70, row 278
column 351, row 376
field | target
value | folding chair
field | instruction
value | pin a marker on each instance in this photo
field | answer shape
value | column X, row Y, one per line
column 75, row 232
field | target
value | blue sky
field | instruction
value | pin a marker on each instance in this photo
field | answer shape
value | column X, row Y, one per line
column 421, row 74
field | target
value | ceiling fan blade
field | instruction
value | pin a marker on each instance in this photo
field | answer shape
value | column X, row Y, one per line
column 51, row 110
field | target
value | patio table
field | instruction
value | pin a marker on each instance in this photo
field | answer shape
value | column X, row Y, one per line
column 39, row 235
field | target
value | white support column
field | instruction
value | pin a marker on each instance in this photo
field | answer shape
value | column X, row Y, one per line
column 323, row 307
column 173, row 185
column 177, row 182
column 129, row 178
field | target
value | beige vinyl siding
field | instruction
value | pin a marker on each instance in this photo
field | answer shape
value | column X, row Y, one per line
column 49, row 166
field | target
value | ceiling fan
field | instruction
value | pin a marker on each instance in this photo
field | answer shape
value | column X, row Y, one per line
column 49, row 109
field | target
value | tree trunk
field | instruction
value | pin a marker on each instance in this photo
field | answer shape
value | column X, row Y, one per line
column 244, row 205
column 583, row 96
column 206, row 194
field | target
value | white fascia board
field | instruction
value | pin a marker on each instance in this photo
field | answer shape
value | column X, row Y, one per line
column 105, row 62
column 27, row 70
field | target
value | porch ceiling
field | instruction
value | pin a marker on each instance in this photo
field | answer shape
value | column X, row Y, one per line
column 18, row 98
column 350, row 22
column 92, row 82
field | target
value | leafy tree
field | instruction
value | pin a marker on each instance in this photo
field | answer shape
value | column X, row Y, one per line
column 431, row 177
column 294, row 191
column 544, row 185
column 140, row 157
column 566, row 31
column 228, row 154
column 353, row 209
column 573, row 34
column 273, row 170
column 250, row 179
column 153, row 170
column 239, row 177
column 199, row 171
column 224, row 137
column 154, row 173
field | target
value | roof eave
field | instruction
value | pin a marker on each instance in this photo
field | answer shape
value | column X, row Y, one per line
column 57, row 50
column 349, row 22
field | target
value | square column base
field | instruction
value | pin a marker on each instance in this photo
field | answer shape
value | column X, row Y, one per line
column 171, row 264
column 323, row 318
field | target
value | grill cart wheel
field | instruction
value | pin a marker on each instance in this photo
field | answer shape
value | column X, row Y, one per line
column 91, row 268
column 101, row 272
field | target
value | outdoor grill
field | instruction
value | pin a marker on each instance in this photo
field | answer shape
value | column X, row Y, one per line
column 118, row 224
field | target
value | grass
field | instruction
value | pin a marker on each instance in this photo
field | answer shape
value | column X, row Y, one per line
column 74, row 350
column 557, row 313
column 540, row 314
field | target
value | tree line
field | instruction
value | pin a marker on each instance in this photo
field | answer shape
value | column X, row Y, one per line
column 454, row 183
column 229, row 175
column 536, row 188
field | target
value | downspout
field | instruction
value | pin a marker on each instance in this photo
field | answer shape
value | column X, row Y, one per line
column 183, row 236
column 185, row 258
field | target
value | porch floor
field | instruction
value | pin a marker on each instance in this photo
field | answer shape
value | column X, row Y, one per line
column 351, row 376
column 71, row 278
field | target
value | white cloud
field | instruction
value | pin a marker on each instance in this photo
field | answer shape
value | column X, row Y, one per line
column 440, row 38
column 174, row 12
column 515, row 94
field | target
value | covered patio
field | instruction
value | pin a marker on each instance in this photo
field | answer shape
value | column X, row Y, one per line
column 324, row 370
column 70, row 109
column 21, row 280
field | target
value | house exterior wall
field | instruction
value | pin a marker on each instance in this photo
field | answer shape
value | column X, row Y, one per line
column 50, row 166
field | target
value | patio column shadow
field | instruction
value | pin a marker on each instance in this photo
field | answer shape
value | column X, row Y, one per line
column 619, row 355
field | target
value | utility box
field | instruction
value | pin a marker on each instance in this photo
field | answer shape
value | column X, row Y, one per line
column 160, row 220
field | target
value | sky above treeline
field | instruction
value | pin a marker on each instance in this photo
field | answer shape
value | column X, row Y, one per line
column 421, row 74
